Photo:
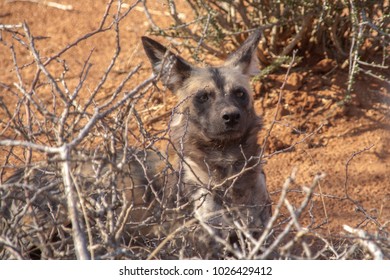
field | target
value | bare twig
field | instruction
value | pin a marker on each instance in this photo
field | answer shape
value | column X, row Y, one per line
column 11, row 26
column 366, row 241
column 79, row 238
column 46, row 3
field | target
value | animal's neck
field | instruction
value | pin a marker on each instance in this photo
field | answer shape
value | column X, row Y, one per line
column 225, row 153
column 217, row 160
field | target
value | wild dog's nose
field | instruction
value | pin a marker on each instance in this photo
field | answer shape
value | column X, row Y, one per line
column 231, row 116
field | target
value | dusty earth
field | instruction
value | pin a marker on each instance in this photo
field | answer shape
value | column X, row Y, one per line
column 313, row 131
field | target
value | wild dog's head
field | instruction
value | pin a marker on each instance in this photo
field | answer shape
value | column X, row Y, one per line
column 217, row 101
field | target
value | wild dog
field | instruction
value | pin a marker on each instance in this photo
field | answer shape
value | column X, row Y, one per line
column 211, row 172
column 214, row 136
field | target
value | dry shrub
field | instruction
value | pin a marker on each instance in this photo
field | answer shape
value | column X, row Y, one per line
column 353, row 33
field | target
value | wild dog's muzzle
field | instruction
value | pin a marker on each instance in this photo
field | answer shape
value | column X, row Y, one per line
column 231, row 117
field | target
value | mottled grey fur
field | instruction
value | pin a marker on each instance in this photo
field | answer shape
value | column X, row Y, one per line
column 214, row 135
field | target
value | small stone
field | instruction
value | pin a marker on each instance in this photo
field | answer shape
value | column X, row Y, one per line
column 294, row 81
column 324, row 65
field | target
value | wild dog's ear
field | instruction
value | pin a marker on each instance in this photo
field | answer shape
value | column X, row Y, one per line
column 172, row 69
column 245, row 57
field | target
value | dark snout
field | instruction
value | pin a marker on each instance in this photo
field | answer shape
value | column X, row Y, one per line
column 231, row 116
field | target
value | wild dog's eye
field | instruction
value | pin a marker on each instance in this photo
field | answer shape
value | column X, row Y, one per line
column 202, row 96
column 240, row 93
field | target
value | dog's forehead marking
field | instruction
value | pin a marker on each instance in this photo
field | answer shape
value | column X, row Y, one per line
column 219, row 78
